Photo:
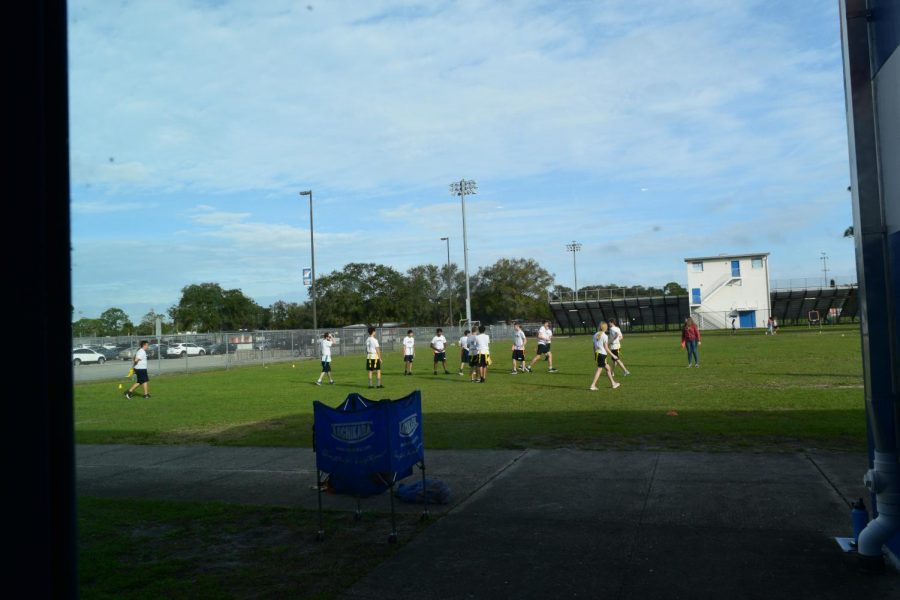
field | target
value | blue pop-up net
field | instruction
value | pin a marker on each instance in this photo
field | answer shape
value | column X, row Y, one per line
column 364, row 446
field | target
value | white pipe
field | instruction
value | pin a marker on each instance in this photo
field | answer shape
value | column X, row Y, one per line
column 884, row 481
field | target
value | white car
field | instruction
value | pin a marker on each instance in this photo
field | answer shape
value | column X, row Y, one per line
column 185, row 349
column 87, row 355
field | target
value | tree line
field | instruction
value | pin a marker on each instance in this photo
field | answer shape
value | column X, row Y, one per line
column 363, row 293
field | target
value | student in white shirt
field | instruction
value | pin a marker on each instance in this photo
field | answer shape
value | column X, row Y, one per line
column 325, row 353
column 601, row 351
column 615, row 346
column 518, row 349
column 483, row 342
column 373, row 357
column 545, row 335
column 409, row 352
column 439, row 345
column 464, row 351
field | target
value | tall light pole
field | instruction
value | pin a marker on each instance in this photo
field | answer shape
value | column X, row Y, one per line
column 824, row 259
column 463, row 188
column 573, row 248
column 449, row 290
column 312, row 250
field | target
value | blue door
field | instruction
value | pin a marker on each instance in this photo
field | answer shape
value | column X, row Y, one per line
column 735, row 268
column 748, row 318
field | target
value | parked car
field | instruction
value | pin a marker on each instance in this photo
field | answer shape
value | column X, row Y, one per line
column 108, row 353
column 219, row 348
column 183, row 349
column 154, row 350
column 127, row 353
column 87, row 355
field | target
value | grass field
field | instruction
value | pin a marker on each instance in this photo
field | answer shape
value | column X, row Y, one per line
column 802, row 388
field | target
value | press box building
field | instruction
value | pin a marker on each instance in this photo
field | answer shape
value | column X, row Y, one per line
column 729, row 287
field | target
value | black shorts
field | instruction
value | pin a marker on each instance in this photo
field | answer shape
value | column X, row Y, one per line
column 473, row 360
column 483, row 360
column 326, row 366
column 373, row 364
column 440, row 356
column 543, row 349
column 518, row 355
column 408, row 358
column 143, row 376
column 615, row 352
column 464, row 356
column 601, row 360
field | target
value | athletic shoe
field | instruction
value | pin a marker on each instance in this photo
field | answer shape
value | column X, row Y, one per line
column 615, row 385
column 528, row 369
column 627, row 373
column 434, row 372
column 128, row 395
column 513, row 372
column 460, row 373
column 146, row 395
column 331, row 382
column 318, row 383
column 689, row 366
column 482, row 380
column 551, row 370
column 593, row 389
column 379, row 386
column 446, row 372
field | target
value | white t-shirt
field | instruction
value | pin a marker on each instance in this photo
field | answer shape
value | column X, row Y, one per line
column 615, row 337
column 519, row 340
column 544, row 335
column 603, row 341
column 598, row 343
column 472, row 343
column 372, row 346
column 409, row 345
column 483, row 343
column 141, row 356
column 326, row 350
column 438, row 342
column 464, row 342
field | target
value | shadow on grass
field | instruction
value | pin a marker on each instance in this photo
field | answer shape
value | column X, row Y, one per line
column 650, row 428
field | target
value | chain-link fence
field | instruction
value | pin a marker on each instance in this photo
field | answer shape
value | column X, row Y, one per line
column 224, row 350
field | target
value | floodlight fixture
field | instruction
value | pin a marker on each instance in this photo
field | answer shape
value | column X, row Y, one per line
column 573, row 248
column 463, row 188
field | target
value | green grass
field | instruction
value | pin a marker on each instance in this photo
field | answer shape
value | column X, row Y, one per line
column 801, row 388
column 141, row 549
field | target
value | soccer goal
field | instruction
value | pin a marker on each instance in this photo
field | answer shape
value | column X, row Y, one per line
column 814, row 319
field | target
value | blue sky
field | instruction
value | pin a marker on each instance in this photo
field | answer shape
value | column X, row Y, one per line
column 647, row 131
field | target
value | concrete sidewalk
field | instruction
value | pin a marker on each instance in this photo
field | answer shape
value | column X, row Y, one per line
column 562, row 523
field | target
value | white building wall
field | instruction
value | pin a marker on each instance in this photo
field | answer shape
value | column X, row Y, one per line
column 722, row 294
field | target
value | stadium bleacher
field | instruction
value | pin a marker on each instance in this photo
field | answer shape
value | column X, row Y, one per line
column 663, row 313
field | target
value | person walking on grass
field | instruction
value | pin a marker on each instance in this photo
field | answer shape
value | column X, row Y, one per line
column 373, row 358
column 690, row 341
column 472, row 345
column 601, row 352
column 464, row 351
column 409, row 352
column 325, row 353
column 615, row 346
column 518, row 349
column 545, row 336
column 483, row 341
column 439, row 346
column 141, row 373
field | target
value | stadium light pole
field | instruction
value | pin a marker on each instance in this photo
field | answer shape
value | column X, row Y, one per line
column 824, row 259
column 573, row 248
column 463, row 188
column 449, row 291
column 312, row 250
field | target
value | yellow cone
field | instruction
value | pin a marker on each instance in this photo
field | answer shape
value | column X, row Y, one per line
column 120, row 386
column 295, row 366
